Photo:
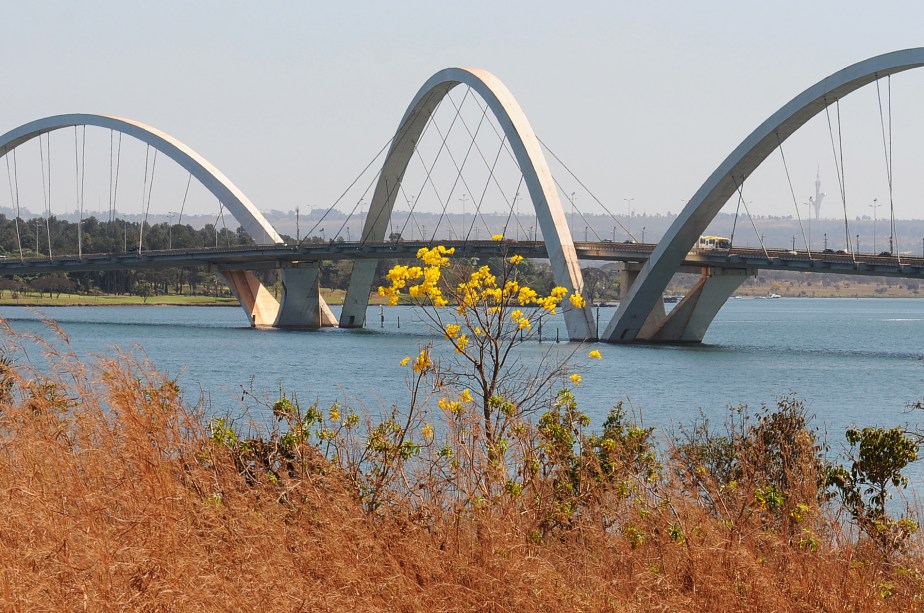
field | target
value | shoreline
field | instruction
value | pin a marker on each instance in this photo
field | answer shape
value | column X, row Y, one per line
column 235, row 304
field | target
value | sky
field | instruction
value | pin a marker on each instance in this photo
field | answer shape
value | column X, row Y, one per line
column 642, row 100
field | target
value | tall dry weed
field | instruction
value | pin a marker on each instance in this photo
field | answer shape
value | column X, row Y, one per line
column 118, row 495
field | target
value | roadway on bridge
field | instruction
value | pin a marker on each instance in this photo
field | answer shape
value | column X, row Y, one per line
column 257, row 257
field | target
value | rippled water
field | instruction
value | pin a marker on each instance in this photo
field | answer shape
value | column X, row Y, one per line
column 852, row 361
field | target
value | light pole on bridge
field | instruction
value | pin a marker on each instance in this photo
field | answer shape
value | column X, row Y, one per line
column 875, row 205
column 629, row 216
column 463, row 198
column 516, row 203
column 170, row 230
column 810, row 206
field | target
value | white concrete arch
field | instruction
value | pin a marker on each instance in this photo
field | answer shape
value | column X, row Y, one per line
column 645, row 293
column 217, row 183
column 536, row 174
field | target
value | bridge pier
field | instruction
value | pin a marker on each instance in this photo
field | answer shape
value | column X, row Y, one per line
column 689, row 320
column 302, row 305
column 259, row 304
column 356, row 301
column 656, row 317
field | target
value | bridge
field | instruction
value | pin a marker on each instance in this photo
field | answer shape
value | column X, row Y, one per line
column 648, row 267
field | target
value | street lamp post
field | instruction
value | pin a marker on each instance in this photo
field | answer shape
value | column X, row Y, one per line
column 463, row 198
column 810, row 209
column 573, row 198
column 170, row 230
column 875, row 205
column 629, row 216
column 516, row 203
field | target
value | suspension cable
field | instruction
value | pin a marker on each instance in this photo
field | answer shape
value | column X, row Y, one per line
column 760, row 239
column 587, row 224
column 484, row 192
column 48, row 212
column 459, row 176
column 587, row 189
column 514, row 201
column 183, row 204
column 80, row 179
column 45, row 189
column 740, row 190
column 429, row 171
column 887, row 153
column 144, row 189
column 15, row 202
column 504, row 144
column 792, row 191
column 412, row 204
column 349, row 187
column 839, row 165
column 115, row 190
column 147, row 207
column 388, row 143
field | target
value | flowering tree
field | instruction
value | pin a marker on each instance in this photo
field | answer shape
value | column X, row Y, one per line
column 486, row 390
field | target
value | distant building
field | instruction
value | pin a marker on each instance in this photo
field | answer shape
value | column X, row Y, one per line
column 819, row 195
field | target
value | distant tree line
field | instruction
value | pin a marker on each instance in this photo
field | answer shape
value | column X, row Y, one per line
column 38, row 237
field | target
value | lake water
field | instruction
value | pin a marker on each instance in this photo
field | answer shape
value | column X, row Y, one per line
column 854, row 362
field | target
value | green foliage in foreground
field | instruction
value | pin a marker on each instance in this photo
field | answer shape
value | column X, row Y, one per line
column 766, row 466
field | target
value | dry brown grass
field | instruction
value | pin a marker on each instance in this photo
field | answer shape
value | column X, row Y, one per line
column 114, row 496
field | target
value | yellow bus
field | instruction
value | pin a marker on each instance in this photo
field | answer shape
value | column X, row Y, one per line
column 713, row 242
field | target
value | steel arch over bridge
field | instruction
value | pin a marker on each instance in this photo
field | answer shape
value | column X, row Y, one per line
column 261, row 307
column 227, row 193
column 536, row 174
column 638, row 318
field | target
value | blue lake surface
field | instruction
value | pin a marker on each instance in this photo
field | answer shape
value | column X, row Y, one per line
column 854, row 362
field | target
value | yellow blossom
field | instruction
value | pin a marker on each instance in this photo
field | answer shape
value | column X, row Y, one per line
column 452, row 331
column 461, row 343
column 497, row 237
column 406, row 361
column 595, row 354
column 465, row 396
column 516, row 259
column 576, row 379
column 334, row 414
column 526, row 296
column 422, row 362
column 427, row 431
column 577, row 301
column 449, row 405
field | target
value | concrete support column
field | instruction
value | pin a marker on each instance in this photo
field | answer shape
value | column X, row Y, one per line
column 689, row 320
column 259, row 304
column 353, row 314
column 657, row 316
column 302, row 305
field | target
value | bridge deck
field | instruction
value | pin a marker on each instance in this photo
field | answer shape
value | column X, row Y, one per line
column 254, row 257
